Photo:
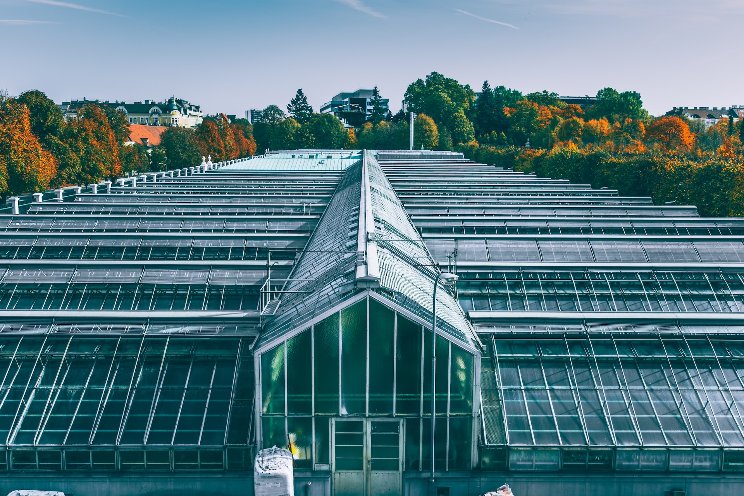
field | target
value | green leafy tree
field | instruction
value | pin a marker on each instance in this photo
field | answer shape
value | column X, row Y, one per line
column 46, row 116
column 616, row 106
column 181, row 147
column 135, row 158
column 462, row 129
column 445, row 139
column 379, row 112
column 69, row 169
column 440, row 98
column 570, row 130
column 545, row 98
column 299, row 108
column 322, row 131
column 426, row 133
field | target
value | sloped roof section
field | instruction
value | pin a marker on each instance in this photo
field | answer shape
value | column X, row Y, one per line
column 365, row 241
column 407, row 269
column 325, row 274
column 298, row 161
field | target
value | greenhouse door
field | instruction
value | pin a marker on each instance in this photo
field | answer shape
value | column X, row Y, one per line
column 367, row 457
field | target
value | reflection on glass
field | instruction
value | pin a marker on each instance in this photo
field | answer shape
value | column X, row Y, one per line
column 299, row 374
column 326, row 365
column 408, row 363
column 272, row 380
column 381, row 365
column 354, row 359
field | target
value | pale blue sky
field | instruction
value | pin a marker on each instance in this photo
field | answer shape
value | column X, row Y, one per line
column 232, row 55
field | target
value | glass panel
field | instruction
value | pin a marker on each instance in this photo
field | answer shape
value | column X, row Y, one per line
column 460, row 446
column 272, row 380
column 299, row 377
column 349, row 445
column 300, row 436
column 461, row 386
column 408, row 368
column 326, row 365
column 440, row 443
column 273, row 432
column 442, row 383
column 322, row 442
column 353, row 361
column 381, row 365
column 413, row 444
column 384, row 445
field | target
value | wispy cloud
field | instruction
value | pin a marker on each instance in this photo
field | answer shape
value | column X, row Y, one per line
column 75, row 6
column 22, row 22
column 360, row 6
column 486, row 19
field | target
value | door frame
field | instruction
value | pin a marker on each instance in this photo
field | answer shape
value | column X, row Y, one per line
column 367, row 436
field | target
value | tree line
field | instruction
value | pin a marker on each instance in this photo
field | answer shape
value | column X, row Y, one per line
column 613, row 141
column 39, row 150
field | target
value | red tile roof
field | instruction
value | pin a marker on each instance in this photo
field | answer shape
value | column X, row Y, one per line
column 146, row 135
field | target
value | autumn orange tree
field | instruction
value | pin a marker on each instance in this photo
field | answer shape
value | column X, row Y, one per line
column 94, row 141
column 670, row 134
column 24, row 164
column 209, row 140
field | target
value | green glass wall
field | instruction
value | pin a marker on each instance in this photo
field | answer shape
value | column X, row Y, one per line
column 366, row 361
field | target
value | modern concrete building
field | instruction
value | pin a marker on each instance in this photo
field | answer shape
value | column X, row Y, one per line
column 354, row 108
column 157, row 331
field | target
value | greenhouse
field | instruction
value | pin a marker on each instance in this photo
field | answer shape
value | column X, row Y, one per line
column 160, row 329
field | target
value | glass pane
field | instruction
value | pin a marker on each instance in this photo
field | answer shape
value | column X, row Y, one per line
column 442, row 365
column 272, row 380
column 413, row 444
column 459, row 442
column 384, row 445
column 299, row 378
column 461, row 386
column 300, row 436
column 427, row 372
column 353, row 360
column 349, row 445
column 326, row 366
column 322, row 443
column 273, row 432
column 440, row 443
column 408, row 367
column 381, row 365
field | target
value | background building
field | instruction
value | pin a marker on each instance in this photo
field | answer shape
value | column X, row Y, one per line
column 172, row 113
column 355, row 108
column 709, row 115
column 254, row 116
column 157, row 331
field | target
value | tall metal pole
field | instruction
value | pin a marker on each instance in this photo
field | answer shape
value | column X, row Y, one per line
column 433, row 373
column 410, row 129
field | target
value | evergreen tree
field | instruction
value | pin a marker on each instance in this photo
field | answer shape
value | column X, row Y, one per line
column 731, row 117
column 485, row 111
column 299, row 108
column 379, row 112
